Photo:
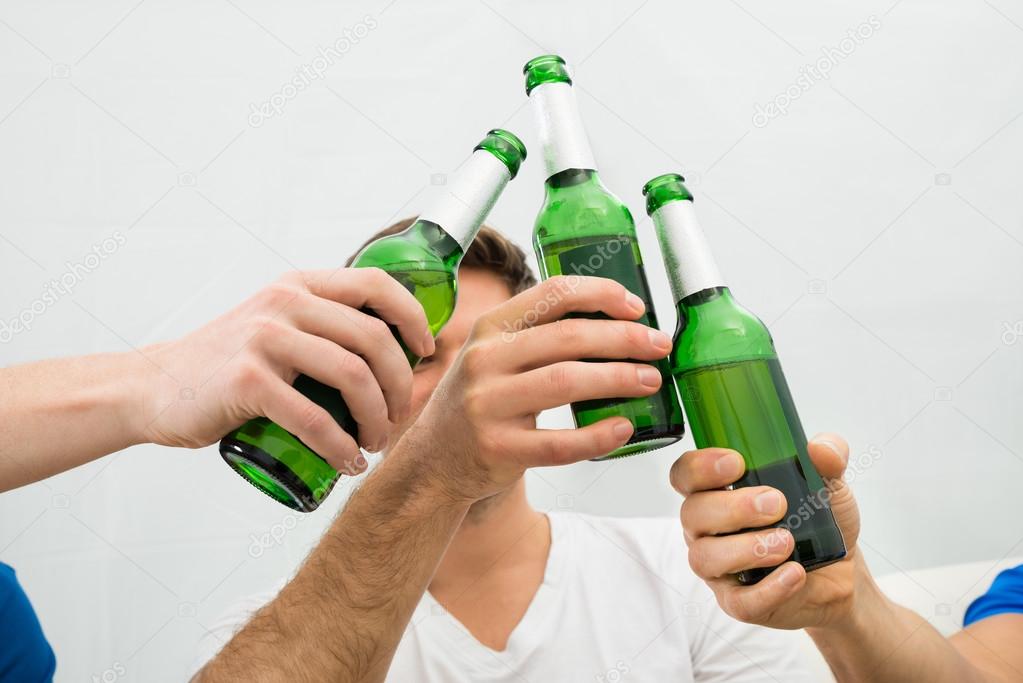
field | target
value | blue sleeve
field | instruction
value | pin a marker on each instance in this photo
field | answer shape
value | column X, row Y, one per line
column 25, row 656
column 1005, row 595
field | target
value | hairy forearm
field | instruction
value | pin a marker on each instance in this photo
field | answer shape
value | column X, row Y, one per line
column 882, row 642
column 58, row 414
column 342, row 616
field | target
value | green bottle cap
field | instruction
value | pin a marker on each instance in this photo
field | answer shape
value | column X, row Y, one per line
column 663, row 189
column 545, row 69
column 505, row 146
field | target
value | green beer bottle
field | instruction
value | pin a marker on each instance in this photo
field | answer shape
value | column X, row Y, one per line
column 732, row 385
column 424, row 258
column 584, row 230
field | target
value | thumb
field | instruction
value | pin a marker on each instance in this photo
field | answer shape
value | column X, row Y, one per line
column 830, row 454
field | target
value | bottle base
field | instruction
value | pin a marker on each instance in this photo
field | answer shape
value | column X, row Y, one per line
column 645, row 441
column 754, row 576
column 266, row 474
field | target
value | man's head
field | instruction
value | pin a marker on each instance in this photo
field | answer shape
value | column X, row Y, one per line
column 493, row 270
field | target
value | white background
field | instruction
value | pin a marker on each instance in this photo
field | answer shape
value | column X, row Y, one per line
column 876, row 227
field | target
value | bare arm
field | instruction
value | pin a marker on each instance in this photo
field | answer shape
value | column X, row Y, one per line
column 342, row 616
column 992, row 645
column 58, row 414
column 881, row 641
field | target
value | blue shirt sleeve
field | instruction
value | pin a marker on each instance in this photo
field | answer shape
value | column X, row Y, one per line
column 25, row 656
column 1005, row 595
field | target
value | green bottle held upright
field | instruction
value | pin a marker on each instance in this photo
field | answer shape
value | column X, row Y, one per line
column 585, row 230
column 425, row 259
column 732, row 385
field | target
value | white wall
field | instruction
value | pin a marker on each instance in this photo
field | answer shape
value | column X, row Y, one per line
column 876, row 227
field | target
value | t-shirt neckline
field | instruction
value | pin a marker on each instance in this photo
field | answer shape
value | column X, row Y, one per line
column 535, row 627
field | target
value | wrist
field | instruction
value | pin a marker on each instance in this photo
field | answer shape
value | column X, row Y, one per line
column 137, row 390
column 867, row 608
column 443, row 477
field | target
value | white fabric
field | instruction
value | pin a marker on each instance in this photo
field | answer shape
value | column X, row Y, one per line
column 618, row 602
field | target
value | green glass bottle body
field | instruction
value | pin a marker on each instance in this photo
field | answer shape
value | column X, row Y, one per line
column 733, row 388
column 424, row 258
column 584, row 230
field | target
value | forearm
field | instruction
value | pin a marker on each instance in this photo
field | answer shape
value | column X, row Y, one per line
column 883, row 642
column 342, row 616
column 58, row 414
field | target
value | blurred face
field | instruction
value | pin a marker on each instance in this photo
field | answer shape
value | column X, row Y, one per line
column 479, row 291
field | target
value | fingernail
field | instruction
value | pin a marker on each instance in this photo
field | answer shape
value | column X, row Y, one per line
column 623, row 430
column 659, row 340
column 789, row 575
column 634, row 302
column 728, row 465
column 649, row 376
column 828, row 443
column 768, row 502
column 429, row 345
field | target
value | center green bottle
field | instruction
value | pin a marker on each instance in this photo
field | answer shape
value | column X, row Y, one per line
column 585, row 230
column 424, row 258
column 732, row 386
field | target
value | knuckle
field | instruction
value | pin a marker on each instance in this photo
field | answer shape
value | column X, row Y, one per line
column 636, row 335
column 625, row 375
column 559, row 379
column 274, row 329
column 611, row 288
column 312, row 418
column 474, row 357
column 277, row 295
column 556, row 284
column 377, row 329
column 567, row 331
column 678, row 475
column 247, row 376
column 686, row 515
column 699, row 557
column 734, row 604
column 549, row 449
column 353, row 367
column 475, row 402
column 376, row 276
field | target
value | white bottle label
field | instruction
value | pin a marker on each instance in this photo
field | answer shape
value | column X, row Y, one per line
column 687, row 256
column 463, row 204
column 560, row 128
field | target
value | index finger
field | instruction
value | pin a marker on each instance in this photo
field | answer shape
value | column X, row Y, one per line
column 706, row 469
column 555, row 298
column 375, row 289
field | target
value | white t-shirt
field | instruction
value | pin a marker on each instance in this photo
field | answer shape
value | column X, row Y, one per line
column 618, row 603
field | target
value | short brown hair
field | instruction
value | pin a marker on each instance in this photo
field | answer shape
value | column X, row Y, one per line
column 490, row 251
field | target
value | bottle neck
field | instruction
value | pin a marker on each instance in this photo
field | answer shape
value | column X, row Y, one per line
column 687, row 256
column 464, row 203
column 561, row 131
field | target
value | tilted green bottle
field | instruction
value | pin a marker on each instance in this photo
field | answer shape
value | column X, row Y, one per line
column 732, row 385
column 424, row 258
column 584, row 230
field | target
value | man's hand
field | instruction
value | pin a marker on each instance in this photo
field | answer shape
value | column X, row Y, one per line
column 523, row 358
column 789, row 597
column 242, row 364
